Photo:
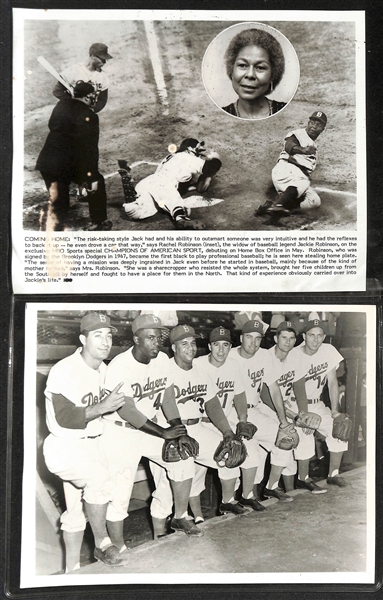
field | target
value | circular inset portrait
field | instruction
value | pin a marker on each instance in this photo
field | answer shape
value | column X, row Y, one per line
column 250, row 71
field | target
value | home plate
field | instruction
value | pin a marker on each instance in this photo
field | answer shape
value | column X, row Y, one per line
column 200, row 202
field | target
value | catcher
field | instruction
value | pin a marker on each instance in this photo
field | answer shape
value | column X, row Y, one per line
column 164, row 189
column 315, row 364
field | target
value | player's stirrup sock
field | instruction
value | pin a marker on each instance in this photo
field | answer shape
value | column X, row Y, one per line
column 289, row 199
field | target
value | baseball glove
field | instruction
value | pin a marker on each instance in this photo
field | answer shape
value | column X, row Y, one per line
column 245, row 430
column 181, row 448
column 287, row 437
column 341, row 427
column 231, row 452
column 308, row 421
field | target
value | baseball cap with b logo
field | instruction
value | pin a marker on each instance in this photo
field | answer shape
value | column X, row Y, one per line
column 220, row 334
column 318, row 115
column 182, row 332
column 94, row 320
column 253, row 326
column 147, row 322
column 316, row 323
column 286, row 326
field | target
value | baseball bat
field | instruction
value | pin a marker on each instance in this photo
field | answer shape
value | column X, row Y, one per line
column 44, row 63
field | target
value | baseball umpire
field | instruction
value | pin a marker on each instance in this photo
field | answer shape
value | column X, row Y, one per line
column 163, row 189
column 91, row 72
column 296, row 163
column 70, row 154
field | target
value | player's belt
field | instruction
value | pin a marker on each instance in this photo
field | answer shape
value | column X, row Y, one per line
column 252, row 405
column 205, row 420
column 313, row 400
column 190, row 421
column 124, row 424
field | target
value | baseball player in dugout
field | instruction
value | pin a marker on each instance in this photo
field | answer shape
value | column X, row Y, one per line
column 132, row 431
column 315, row 364
column 91, row 72
column 163, row 190
column 265, row 409
column 227, row 375
column 76, row 399
column 200, row 409
column 292, row 174
column 70, row 154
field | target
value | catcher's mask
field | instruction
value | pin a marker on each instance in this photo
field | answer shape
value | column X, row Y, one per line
column 193, row 146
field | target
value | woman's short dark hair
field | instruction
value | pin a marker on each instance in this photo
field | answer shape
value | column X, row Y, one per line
column 263, row 39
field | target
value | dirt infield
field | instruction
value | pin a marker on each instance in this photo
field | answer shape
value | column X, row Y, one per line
column 134, row 127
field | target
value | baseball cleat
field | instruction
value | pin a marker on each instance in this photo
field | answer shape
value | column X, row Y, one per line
column 262, row 210
column 189, row 224
column 277, row 211
column 110, row 556
column 310, row 485
column 336, row 480
column 235, row 508
column 253, row 503
column 185, row 526
column 277, row 493
column 104, row 226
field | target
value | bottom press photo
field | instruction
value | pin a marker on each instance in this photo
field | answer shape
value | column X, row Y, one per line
column 168, row 444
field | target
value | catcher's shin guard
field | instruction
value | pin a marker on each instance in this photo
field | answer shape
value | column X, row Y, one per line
column 130, row 194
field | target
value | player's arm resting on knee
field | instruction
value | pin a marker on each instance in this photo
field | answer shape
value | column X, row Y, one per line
column 240, row 405
column 216, row 415
column 333, row 389
column 272, row 397
column 136, row 418
column 299, row 388
column 292, row 147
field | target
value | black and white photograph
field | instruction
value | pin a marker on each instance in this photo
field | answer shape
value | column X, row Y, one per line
column 119, row 123
column 169, row 444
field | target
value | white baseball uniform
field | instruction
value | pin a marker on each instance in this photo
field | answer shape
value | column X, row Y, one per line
column 316, row 368
column 258, row 370
column 72, row 450
column 160, row 189
column 80, row 72
column 288, row 371
column 192, row 390
column 124, row 445
column 295, row 170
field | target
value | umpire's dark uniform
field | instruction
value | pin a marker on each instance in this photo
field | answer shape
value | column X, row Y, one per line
column 70, row 154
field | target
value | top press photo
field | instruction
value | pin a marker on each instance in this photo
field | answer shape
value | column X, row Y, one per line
column 166, row 122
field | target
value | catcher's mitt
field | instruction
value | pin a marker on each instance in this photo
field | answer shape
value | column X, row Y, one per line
column 245, row 430
column 341, row 427
column 231, row 452
column 308, row 421
column 287, row 437
column 181, row 448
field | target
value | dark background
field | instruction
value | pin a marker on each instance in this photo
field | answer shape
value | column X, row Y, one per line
column 12, row 310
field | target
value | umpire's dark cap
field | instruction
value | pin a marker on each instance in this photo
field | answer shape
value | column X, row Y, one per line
column 94, row 320
column 82, row 89
column 147, row 322
column 318, row 115
column 286, row 326
column 181, row 332
column 253, row 326
column 220, row 334
column 99, row 50
column 316, row 323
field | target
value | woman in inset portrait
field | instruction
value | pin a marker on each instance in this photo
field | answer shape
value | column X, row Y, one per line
column 255, row 64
